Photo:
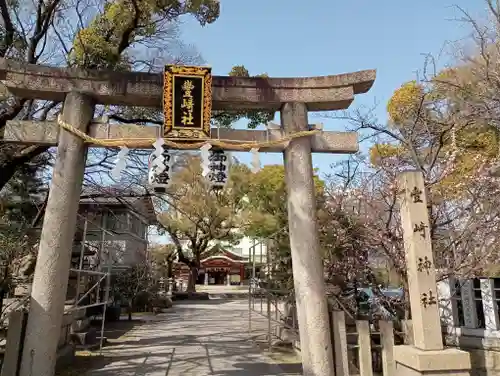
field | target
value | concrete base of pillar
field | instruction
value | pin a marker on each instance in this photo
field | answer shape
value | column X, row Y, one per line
column 411, row 361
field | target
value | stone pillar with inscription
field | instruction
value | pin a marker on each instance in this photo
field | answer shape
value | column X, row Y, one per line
column 427, row 356
column 490, row 308
column 448, row 310
column 468, row 304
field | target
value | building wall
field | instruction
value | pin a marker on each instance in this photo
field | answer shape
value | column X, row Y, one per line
column 123, row 242
column 469, row 310
column 245, row 249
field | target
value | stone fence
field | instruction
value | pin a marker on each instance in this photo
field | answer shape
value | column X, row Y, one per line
column 469, row 311
column 359, row 348
column 15, row 334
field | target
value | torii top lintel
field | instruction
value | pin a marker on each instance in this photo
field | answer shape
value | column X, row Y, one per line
column 324, row 93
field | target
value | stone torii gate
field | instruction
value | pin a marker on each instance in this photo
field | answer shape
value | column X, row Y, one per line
column 82, row 90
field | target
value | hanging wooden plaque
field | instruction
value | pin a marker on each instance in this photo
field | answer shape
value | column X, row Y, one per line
column 187, row 101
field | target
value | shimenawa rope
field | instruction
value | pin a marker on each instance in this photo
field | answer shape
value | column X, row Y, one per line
column 186, row 144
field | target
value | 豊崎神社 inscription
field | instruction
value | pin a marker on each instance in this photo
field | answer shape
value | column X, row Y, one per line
column 420, row 264
column 187, row 101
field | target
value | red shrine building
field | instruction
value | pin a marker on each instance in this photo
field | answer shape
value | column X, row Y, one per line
column 226, row 268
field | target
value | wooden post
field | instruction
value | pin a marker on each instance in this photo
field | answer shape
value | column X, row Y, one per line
column 340, row 343
column 407, row 327
column 448, row 310
column 364, row 348
column 490, row 308
column 13, row 348
column 468, row 304
column 308, row 276
column 387, row 342
column 53, row 262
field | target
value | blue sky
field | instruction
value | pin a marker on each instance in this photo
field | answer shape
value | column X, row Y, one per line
column 321, row 37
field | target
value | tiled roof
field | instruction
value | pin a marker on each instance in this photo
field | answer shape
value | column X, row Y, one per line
column 140, row 202
column 133, row 199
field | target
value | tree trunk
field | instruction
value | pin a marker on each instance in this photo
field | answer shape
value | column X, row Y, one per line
column 13, row 156
column 194, row 266
column 129, row 310
column 193, row 276
column 406, row 300
column 170, row 268
column 2, row 297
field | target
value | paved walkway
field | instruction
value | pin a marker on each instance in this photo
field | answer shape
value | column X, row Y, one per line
column 193, row 338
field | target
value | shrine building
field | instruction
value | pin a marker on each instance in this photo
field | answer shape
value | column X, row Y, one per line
column 226, row 268
column 231, row 265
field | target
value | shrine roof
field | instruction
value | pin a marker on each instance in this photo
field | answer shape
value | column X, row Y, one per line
column 223, row 257
column 233, row 255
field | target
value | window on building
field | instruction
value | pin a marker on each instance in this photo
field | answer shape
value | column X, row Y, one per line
column 94, row 220
column 456, row 294
column 117, row 221
column 478, row 302
column 137, row 226
column 496, row 293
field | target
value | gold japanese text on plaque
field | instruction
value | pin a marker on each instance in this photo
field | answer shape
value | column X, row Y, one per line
column 187, row 101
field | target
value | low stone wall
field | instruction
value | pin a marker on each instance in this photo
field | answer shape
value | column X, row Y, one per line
column 64, row 338
column 65, row 351
column 484, row 352
column 484, row 348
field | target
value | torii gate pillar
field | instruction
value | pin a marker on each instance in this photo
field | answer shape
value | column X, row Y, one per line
column 308, row 277
column 50, row 281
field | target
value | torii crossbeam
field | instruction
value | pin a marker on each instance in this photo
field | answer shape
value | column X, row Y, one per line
column 82, row 90
column 47, row 133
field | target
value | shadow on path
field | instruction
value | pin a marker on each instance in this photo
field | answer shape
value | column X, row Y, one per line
column 193, row 338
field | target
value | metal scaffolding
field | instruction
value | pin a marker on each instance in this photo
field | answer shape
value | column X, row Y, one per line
column 104, row 268
column 254, row 289
column 260, row 290
column 101, row 276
